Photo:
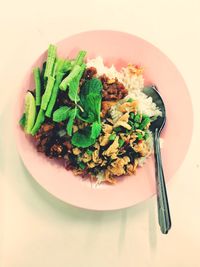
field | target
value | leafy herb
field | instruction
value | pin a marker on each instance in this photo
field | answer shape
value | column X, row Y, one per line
column 61, row 114
column 96, row 129
column 90, row 97
column 90, row 101
column 72, row 116
column 83, row 138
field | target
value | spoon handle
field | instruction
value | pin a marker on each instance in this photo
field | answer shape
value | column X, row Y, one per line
column 162, row 200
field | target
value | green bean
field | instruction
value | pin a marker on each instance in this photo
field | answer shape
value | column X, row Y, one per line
column 80, row 58
column 47, row 94
column 137, row 118
column 54, row 94
column 39, row 120
column 36, row 73
column 73, row 74
column 121, row 142
column 51, row 57
column 112, row 137
column 144, row 123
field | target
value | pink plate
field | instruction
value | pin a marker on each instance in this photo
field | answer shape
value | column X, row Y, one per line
column 118, row 48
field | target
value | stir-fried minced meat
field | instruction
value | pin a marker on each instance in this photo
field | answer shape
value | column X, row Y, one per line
column 89, row 73
column 50, row 141
column 112, row 89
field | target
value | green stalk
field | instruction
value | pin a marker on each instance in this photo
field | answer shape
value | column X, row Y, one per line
column 36, row 73
column 47, row 94
column 75, row 72
column 40, row 119
column 80, row 58
column 51, row 57
column 54, row 94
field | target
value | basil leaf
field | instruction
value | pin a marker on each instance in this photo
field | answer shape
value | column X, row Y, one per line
column 61, row 114
column 96, row 129
column 70, row 123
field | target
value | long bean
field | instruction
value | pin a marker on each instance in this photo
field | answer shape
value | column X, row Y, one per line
column 51, row 57
column 54, row 94
column 47, row 94
column 36, row 73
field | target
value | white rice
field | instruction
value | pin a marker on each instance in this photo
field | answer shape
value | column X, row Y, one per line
column 102, row 69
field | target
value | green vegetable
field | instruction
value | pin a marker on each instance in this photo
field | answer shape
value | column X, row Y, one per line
column 112, row 137
column 89, row 152
column 54, row 94
column 131, row 123
column 43, row 79
column 90, row 98
column 132, row 115
column 22, row 120
column 80, row 58
column 118, row 129
column 82, row 165
column 96, row 129
column 62, row 65
column 48, row 91
column 139, row 136
column 137, row 118
column 40, row 119
column 51, row 57
column 70, row 123
column 146, row 136
column 72, row 75
column 61, row 114
column 130, row 100
column 83, row 138
column 136, row 125
column 36, row 73
column 144, row 123
column 74, row 85
column 30, row 112
column 121, row 142
column 90, row 101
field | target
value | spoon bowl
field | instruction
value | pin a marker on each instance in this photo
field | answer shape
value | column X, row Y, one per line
column 156, row 127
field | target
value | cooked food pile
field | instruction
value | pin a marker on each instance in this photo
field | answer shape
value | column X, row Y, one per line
column 93, row 117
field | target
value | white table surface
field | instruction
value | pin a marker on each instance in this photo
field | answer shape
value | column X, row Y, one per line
column 36, row 230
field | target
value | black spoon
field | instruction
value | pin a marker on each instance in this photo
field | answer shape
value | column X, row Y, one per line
column 156, row 128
